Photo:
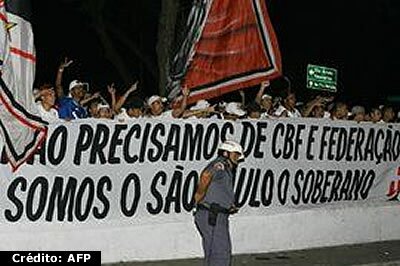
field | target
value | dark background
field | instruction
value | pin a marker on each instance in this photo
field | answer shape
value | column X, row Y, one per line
column 359, row 38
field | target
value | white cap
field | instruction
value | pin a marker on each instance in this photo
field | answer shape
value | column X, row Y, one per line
column 327, row 114
column 154, row 98
column 222, row 104
column 201, row 104
column 103, row 105
column 234, row 108
column 299, row 104
column 232, row 146
column 357, row 109
column 74, row 84
column 266, row 96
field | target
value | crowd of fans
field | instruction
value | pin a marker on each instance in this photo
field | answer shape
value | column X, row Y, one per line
column 53, row 105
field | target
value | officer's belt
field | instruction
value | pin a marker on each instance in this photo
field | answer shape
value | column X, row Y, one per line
column 213, row 207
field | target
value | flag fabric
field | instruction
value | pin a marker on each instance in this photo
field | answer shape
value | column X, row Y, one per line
column 230, row 45
column 21, row 131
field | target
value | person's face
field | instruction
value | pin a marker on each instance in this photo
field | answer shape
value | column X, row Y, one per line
column 359, row 117
column 105, row 113
column 156, row 108
column 388, row 115
column 290, row 101
column 78, row 92
column 342, row 112
column 93, row 110
column 254, row 115
column 266, row 104
column 49, row 97
column 231, row 117
column 234, row 157
column 318, row 112
column 135, row 112
column 376, row 115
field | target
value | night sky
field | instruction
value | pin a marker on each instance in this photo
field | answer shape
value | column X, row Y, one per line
column 356, row 37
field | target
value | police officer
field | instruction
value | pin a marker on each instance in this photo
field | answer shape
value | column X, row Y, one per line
column 215, row 202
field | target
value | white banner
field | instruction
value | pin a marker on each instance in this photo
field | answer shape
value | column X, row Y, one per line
column 107, row 173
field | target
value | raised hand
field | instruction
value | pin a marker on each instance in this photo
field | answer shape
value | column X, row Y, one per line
column 265, row 84
column 133, row 87
column 96, row 94
column 111, row 89
column 185, row 91
column 65, row 64
column 211, row 109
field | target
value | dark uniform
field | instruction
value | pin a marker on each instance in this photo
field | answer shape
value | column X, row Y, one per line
column 212, row 213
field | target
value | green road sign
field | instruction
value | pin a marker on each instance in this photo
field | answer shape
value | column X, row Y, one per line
column 393, row 98
column 321, row 78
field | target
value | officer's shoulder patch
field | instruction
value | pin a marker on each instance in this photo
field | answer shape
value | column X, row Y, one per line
column 219, row 166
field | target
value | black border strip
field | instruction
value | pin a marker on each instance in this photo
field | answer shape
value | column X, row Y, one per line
column 19, row 107
column 7, row 139
column 230, row 78
column 258, row 14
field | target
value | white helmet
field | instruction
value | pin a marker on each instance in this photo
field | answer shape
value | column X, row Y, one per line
column 232, row 146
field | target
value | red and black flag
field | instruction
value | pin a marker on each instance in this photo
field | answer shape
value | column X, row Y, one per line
column 21, row 132
column 230, row 45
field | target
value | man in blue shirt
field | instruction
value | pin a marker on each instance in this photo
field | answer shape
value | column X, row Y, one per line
column 69, row 107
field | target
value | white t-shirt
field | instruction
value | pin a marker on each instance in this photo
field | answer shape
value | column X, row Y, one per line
column 295, row 113
column 49, row 116
column 265, row 115
column 165, row 115
column 123, row 116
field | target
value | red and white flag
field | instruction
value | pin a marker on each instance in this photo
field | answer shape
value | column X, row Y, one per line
column 231, row 45
column 21, row 132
